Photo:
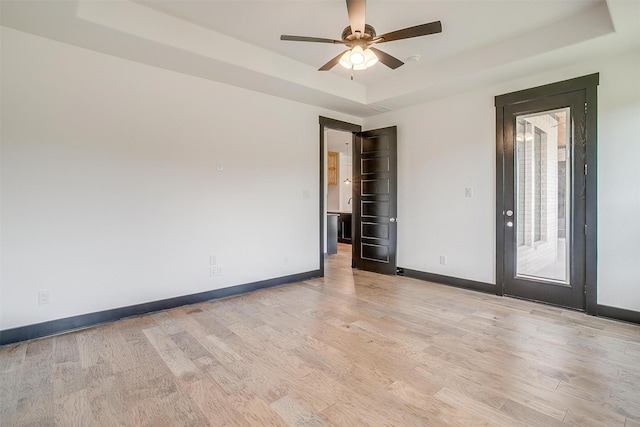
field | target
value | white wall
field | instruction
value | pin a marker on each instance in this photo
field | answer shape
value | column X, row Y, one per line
column 110, row 193
column 443, row 147
column 346, row 189
column 449, row 144
column 619, row 183
column 338, row 195
column 333, row 195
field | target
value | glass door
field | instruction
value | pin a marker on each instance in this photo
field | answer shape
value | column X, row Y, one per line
column 544, row 199
column 543, row 195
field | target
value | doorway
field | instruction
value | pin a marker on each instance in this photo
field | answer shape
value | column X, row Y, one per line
column 327, row 124
column 545, row 243
column 339, row 182
column 373, row 199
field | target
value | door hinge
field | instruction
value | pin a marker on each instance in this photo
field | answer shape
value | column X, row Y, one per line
column 585, row 108
column 585, row 229
column 585, row 169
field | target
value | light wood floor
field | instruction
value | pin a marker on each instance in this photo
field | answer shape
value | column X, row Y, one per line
column 351, row 349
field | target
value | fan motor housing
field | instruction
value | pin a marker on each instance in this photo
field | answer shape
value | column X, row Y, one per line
column 369, row 33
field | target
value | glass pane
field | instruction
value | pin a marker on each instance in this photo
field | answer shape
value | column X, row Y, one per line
column 542, row 185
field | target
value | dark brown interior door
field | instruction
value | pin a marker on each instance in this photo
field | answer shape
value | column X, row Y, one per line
column 375, row 208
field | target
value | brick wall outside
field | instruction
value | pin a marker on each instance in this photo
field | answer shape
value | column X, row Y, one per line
column 535, row 256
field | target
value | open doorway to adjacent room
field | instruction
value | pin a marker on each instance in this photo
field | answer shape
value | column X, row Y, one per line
column 336, row 145
column 364, row 198
column 339, row 180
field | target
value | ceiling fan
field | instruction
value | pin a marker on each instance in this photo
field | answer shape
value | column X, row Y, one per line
column 359, row 37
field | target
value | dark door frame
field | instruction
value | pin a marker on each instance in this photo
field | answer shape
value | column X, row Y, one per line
column 328, row 123
column 588, row 84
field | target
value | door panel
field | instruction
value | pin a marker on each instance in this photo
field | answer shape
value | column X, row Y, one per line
column 544, row 194
column 374, row 211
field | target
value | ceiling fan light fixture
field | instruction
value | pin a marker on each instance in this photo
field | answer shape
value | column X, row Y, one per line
column 358, row 59
column 359, row 35
column 344, row 60
column 357, row 56
column 370, row 58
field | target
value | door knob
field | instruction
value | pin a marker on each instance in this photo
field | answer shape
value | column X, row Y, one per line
column 509, row 212
column 392, row 219
column 509, row 224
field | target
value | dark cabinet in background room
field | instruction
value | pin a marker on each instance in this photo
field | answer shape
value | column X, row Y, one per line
column 344, row 228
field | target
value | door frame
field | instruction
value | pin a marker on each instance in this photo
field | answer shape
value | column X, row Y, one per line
column 588, row 84
column 328, row 123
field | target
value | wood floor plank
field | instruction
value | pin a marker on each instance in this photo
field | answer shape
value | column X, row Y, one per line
column 93, row 348
column 584, row 418
column 296, row 414
column 183, row 411
column 181, row 366
column 213, row 403
column 434, row 411
column 34, row 387
column 183, row 316
column 137, row 386
column 12, row 357
column 168, row 325
column 219, row 349
column 107, row 400
column 317, row 391
column 528, row 415
column 632, row 423
column 477, row 409
column 268, row 348
column 67, row 378
column 189, row 345
column 8, row 399
column 35, row 410
column 73, row 410
column 255, row 410
column 149, row 413
column 231, row 377
column 144, row 355
column 66, row 348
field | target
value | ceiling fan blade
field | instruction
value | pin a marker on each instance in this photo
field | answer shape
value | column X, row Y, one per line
column 329, row 65
column 407, row 33
column 310, row 39
column 357, row 15
column 386, row 59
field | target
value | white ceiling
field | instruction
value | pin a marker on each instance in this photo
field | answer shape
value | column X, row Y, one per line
column 337, row 140
column 237, row 42
column 468, row 25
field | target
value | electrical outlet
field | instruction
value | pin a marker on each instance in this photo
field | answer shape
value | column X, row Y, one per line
column 212, row 260
column 213, row 271
column 43, row 297
column 468, row 192
column 443, row 259
column 220, row 270
column 285, row 261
